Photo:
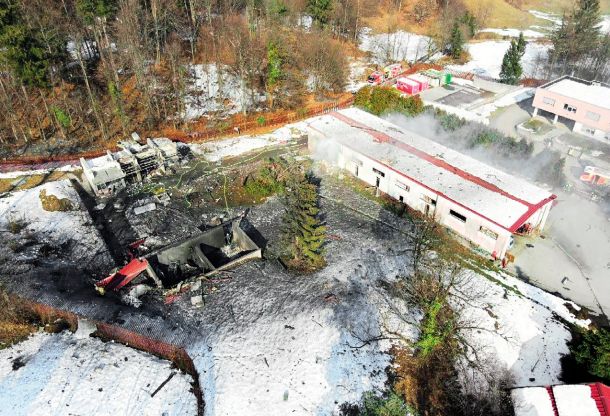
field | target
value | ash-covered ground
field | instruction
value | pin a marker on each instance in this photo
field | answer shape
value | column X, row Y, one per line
column 268, row 341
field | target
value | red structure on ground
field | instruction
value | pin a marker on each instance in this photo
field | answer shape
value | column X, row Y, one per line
column 119, row 279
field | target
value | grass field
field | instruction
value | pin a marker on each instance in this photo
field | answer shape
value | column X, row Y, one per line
column 495, row 13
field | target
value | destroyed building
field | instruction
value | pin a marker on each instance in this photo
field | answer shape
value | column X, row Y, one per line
column 479, row 203
column 219, row 248
column 103, row 174
column 110, row 173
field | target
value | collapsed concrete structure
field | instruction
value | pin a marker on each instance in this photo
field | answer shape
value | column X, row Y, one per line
column 481, row 204
column 216, row 249
column 112, row 172
column 219, row 248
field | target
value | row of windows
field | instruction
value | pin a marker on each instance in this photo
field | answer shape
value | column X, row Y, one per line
column 590, row 114
column 431, row 201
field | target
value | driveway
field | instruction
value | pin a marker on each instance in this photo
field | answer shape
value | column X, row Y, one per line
column 572, row 257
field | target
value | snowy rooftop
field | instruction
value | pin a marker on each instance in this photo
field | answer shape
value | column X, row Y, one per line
column 102, row 169
column 502, row 198
column 570, row 400
column 596, row 94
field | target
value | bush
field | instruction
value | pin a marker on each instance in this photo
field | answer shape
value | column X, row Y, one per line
column 52, row 203
column 593, row 352
column 384, row 100
column 373, row 405
column 267, row 181
column 449, row 122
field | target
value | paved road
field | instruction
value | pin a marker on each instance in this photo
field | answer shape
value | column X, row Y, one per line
column 574, row 257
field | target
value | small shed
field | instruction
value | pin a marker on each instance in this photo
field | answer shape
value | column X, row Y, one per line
column 408, row 86
column 421, row 80
column 443, row 78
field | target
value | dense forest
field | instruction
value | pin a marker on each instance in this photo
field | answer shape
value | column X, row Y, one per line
column 79, row 74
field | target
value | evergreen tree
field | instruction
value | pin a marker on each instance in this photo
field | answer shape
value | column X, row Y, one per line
column 304, row 231
column 511, row 63
column 576, row 39
column 320, row 11
column 20, row 49
column 456, row 43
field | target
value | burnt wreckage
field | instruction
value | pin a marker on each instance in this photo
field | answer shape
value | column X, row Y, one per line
column 185, row 261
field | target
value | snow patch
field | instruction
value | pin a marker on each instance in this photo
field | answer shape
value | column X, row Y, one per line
column 63, row 374
column 55, row 227
column 514, row 32
column 215, row 89
column 398, row 46
column 18, row 173
column 217, row 150
column 487, row 58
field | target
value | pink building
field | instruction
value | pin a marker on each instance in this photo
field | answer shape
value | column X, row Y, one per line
column 421, row 80
column 408, row 86
column 587, row 103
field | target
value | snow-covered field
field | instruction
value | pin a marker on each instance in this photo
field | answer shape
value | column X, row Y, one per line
column 393, row 47
column 217, row 150
column 57, row 227
column 528, row 33
column 62, row 374
column 487, row 58
column 18, row 173
column 213, row 90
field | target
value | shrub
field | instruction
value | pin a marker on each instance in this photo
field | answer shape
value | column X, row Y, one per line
column 384, row 100
column 53, row 203
column 15, row 225
column 593, row 352
column 268, row 180
column 449, row 122
column 62, row 118
column 393, row 405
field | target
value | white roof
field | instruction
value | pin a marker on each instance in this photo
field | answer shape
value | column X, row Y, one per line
column 575, row 400
column 489, row 192
column 407, row 81
column 532, row 401
column 598, row 95
column 419, row 77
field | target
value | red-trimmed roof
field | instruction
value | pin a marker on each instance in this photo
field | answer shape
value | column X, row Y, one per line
column 385, row 138
column 601, row 394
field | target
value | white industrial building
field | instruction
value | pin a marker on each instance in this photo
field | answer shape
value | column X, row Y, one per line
column 478, row 202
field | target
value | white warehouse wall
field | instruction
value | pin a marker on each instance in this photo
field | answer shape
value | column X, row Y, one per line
column 362, row 166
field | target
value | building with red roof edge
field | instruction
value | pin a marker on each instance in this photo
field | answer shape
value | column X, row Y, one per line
column 480, row 203
column 567, row 400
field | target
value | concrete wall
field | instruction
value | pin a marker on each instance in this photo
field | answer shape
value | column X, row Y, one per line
column 419, row 198
column 582, row 122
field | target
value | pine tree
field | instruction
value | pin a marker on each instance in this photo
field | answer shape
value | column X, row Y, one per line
column 20, row 48
column 304, row 231
column 576, row 39
column 320, row 11
column 511, row 63
column 456, row 43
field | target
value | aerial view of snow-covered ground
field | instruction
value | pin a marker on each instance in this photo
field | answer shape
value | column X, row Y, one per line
column 215, row 90
column 393, row 47
column 68, row 374
column 486, row 58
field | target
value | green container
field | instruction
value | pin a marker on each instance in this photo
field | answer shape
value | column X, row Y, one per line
column 447, row 78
